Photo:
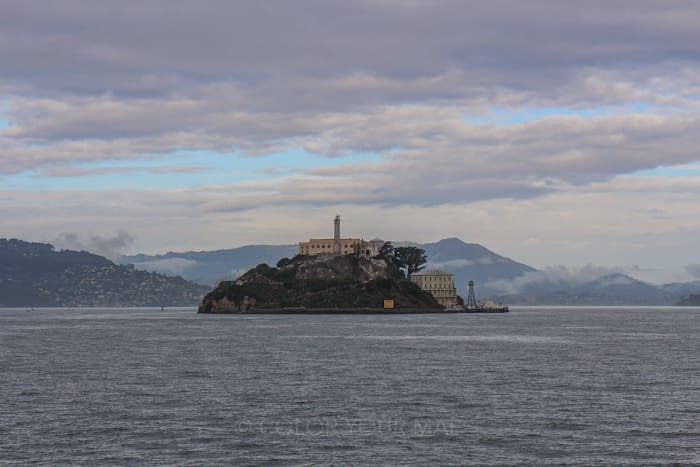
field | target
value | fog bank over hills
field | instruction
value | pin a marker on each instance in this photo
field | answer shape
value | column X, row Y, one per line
column 211, row 267
column 496, row 276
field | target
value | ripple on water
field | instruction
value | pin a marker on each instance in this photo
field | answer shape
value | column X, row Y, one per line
column 541, row 387
column 446, row 338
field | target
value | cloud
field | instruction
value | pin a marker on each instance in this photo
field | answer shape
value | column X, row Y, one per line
column 455, row 263
column 530, row 138
column 459, row 263
column 413, row 141
column 615, row 280
column 85, row 172
column 693, row 270
column 104, row 246
column 441, row 158
column 170, row 266
column 417, row 102
column 154, row 48
column 557, row 275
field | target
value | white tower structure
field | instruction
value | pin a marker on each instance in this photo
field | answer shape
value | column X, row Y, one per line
column 336, row 236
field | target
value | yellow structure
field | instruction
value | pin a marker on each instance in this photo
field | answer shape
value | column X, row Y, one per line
column 388, row 304
column 439, row 284
column 338, row 246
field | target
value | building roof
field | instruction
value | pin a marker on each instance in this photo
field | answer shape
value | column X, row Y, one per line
column 432, row 272
column 331, row 240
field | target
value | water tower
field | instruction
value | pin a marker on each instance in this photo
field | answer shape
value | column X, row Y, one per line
column 471, row 299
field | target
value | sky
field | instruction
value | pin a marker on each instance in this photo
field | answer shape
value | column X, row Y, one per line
column 554, row 133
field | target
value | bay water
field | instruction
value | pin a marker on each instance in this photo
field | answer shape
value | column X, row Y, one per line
column 536, row 386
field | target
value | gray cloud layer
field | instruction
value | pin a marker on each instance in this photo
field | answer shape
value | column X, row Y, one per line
column 110, row 247
column 693, row 270
column 268, row 68
column 419, row 83
column 159, row 46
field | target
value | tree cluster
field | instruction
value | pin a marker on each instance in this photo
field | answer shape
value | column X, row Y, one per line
column 404, row 260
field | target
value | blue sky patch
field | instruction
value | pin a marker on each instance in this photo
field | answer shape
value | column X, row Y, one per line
column 181, row 169
column 684, row 171
column 503, row 116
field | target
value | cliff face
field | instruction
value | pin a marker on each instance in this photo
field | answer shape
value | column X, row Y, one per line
column 341, row 268
column 316, row 282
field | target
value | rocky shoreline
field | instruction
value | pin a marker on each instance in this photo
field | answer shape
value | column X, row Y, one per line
column 336, row 311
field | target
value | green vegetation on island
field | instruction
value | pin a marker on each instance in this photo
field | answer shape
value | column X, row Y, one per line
column 320, row 282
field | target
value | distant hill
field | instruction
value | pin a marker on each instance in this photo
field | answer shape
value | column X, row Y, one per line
column 471, row 261
column 681, row 289
column 34, row 274
column 211, row 267
column 611, row 289
column 690, row 300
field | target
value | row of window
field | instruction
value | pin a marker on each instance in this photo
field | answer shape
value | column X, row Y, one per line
column 328, row 247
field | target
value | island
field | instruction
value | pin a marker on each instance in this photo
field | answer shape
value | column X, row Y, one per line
column 345, row 275
column 321, row 284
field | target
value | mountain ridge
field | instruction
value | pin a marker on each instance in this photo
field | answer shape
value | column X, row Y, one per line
column 614, row 289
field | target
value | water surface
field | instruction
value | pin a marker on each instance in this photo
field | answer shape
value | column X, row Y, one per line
column 552, row 386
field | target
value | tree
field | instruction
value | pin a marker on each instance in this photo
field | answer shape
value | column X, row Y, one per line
column 386, row 252
column 402, row 261
column 410, row 258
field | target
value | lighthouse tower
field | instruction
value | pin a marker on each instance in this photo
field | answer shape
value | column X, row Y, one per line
column 336, row 235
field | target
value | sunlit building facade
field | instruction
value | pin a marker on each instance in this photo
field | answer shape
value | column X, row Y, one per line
column 339, row 246
column 439, row 284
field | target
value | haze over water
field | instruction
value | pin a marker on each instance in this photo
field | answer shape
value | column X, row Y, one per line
column 536, row 386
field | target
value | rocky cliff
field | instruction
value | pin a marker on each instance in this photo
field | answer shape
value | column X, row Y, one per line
column 317, row 282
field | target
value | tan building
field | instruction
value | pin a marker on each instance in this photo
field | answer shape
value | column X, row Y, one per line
column 321, row 246
column 439, row 284
column 338, row 246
